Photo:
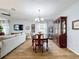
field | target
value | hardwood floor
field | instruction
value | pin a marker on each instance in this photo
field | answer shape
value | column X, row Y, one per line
column 25, row 52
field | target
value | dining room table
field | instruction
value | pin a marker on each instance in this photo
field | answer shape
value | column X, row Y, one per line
column 41, row 41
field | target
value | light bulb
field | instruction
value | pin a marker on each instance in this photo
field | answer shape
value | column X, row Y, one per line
column 37, row 19
column 42, row 19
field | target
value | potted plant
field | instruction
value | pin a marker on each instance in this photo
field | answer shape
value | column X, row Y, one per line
column 1, row 28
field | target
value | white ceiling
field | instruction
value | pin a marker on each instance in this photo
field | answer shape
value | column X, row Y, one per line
column 27, row 9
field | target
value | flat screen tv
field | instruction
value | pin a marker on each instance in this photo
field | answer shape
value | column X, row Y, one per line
column 18, row 27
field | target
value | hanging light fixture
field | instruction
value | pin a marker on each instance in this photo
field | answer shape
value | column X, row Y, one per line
column 39, row 19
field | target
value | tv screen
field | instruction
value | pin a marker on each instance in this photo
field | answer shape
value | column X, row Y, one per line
column 18, row 27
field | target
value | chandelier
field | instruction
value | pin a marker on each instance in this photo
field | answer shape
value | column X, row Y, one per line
column 39, row 19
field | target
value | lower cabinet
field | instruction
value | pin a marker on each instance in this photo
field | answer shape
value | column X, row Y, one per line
column 11, row 43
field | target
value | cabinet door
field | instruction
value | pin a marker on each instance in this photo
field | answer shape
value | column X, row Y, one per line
column 63, row 36
column 64, row 26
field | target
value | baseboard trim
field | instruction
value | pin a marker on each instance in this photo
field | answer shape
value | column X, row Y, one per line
column 73, row 51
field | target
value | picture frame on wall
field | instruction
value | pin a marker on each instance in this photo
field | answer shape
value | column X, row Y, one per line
column 75, row 25
column 32, row 28
column 18, row 27
column 27, row 27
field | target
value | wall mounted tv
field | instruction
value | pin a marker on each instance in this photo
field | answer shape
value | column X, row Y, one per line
column 18, row 27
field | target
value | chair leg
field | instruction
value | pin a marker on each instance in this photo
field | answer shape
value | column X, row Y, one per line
column 47, row 47
column 35, row 49
column 42, row 49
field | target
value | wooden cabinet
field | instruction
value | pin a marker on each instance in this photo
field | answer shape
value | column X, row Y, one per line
column 60, row 28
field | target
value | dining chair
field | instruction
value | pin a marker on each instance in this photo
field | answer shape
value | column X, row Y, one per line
column 34, row 42
column 38, row 42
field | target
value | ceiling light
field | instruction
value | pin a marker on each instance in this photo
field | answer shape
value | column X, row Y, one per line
column 39, row 19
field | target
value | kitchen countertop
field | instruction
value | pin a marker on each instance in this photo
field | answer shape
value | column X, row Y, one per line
column 4, row 37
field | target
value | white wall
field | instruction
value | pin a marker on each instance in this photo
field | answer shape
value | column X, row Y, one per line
column 19, row 21
column 5, row 24
column 50, row 25
column 72, row 35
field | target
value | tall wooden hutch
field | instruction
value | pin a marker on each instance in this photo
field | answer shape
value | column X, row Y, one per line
column 60, row 31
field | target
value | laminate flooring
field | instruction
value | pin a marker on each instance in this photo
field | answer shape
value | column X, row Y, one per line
column 25, row 51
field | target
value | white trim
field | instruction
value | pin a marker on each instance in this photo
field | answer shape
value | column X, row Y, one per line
column 3, row 18
column 73, row 51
